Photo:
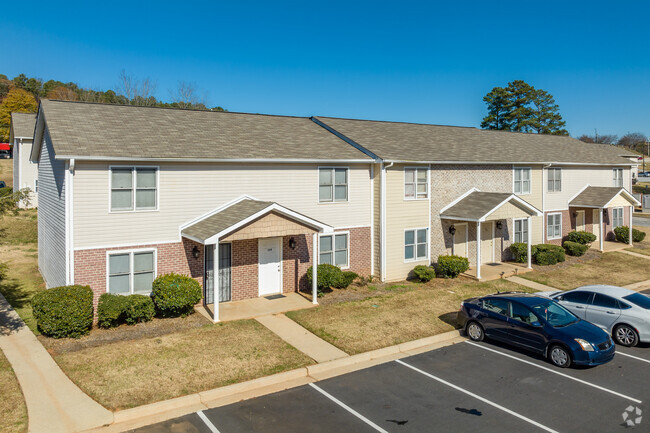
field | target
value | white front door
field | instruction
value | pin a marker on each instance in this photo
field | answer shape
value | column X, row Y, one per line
column 270, row 266
column 487, row 242
column 580, row 221
column 460, row 240
column 595, row 227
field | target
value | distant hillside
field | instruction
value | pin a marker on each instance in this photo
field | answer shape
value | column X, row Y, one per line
column 22, row 93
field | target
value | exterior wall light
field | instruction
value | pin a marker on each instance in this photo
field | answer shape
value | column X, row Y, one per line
column 452, row 229
column 195, row 252
column 499, row 225
column 292, row 243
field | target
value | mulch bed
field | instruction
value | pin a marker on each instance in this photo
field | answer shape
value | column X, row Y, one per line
column 99, row 336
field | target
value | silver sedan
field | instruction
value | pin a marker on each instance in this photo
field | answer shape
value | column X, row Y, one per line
column 624, row 313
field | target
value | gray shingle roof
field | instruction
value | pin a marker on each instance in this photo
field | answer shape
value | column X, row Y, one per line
column 23, row 124
column 595, row 196
column 421, row 142
column 224, row 219
column 477, row 205
column 103, row 130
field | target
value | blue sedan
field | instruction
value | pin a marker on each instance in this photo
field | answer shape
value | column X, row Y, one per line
column 536, row 324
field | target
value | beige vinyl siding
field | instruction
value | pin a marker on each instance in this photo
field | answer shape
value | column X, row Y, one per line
column 377, row 218
column 25, row 171
column 507, row 211
column 401, row 214
column 575, row 178
column 537, row 233
column 619, row 201
column 189, row 190
column 51, row 216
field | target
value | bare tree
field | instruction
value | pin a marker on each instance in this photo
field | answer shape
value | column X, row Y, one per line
column 633, row 140
column 186, row 96
column 599, row 138
column 136, row 92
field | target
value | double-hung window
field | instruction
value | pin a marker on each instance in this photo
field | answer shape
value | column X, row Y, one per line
column 617, row 217
column 416, row 244
column 131, row 272
column 521, row 230
column 554, row 179
column 332, row 184
column 618, row 177
column 415, row 183
column 522, row 180
column 334, row 250
column 554, row 226
column 134, row 188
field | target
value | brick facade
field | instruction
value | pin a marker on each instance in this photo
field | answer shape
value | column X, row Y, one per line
column 90, row 265
column 569, row 223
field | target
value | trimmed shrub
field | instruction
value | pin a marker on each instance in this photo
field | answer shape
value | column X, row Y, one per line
column 424, row 273
column 581, row 237
column 519, row 251
column 547, row 254
column 575, row 249
column 328, row 276
column 138, row 308
column 110, row 310
column 347, row 278
column 65, row 311
column 623, row 234
column 175, row 295
column 451, row 266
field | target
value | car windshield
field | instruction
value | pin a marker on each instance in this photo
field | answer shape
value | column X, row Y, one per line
column 555, row 314
column 638, row 299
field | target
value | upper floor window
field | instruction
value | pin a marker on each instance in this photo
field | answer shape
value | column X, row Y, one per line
column 416, row 183
column 133, row 188
column 618, row 177
column 522, row 180
column 554, row 179
column 131, row 272
column 332, row 184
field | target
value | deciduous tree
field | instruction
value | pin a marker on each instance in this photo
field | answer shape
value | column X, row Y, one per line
column 17, row 100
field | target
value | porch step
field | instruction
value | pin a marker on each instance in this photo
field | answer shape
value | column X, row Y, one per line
column 297, row 336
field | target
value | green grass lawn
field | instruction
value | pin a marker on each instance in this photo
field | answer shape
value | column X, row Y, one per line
column 406, row 312
column 13, row 412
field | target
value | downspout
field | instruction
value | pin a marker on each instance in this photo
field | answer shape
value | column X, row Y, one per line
column 68, row 207
column 544, row 167
column 383, row 219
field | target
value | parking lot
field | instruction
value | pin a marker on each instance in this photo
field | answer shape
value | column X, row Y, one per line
column 467, row 387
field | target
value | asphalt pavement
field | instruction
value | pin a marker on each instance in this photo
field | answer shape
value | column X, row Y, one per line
column 640, row 221
column 467, row 387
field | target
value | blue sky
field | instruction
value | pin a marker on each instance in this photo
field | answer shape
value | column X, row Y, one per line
column 406, row 61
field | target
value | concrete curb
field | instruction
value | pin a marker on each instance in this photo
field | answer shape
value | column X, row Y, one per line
column 160, row 411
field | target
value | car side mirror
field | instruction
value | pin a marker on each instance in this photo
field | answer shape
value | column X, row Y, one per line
column 560, row 298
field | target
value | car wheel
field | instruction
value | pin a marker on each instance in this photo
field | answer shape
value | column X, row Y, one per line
column 626, row 336
column 475, row 331
column 559, row 356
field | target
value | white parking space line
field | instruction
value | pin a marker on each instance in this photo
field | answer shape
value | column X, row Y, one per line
column 348, row 408
column 627, row 397
column 207, row 422
column 484, row 400
column 618, row 352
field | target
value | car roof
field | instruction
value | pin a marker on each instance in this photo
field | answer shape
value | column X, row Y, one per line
column 524, row 298
column 615, row 291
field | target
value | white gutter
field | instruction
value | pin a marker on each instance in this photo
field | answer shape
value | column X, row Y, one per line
column 382, row 223
column 248, row 160
column 544, row 180
column 397, row 161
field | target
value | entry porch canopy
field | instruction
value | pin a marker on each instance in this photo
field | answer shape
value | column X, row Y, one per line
column 223, row 221
column 601, row 198
column 478, row 206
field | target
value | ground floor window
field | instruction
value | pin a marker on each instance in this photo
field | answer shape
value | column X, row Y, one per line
column 554, row 226
column 617, row 217
column 131, row 272
column 334, row 250
column 521, row 230
column 416, row 244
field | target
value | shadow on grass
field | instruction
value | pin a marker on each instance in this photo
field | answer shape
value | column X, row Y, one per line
column 450, row 318
column 15, row 293
column 9, row 323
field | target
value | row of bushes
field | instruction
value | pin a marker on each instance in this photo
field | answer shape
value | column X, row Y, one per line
column 331, row 276
column 67, row 311
column 448, row 266
column 542, row 254
column 623, row 234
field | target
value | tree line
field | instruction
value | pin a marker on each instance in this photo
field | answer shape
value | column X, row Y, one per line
column 22, row 94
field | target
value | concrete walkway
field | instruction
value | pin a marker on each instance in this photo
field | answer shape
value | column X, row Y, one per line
column 632, row 253
column 54, row 403
column 297, row 336
column 532, row 284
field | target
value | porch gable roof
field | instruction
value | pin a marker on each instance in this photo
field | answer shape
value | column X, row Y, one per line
column 214, row 225
column 601, row 196
column 477, row 205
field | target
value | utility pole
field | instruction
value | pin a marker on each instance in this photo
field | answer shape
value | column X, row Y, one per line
column 645, row 150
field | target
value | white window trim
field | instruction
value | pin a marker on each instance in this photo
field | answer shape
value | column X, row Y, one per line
column 415, row 198
column 415, row 258
column 620, row 208
column 615, row 177
column 133, row 187
column 514, row 229
column 131, row 252
column 530, row 180
column 546, row 222
column 333, row 185
column 548, row 180
column 320, row 235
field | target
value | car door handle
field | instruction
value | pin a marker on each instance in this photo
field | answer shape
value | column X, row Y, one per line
column 580, row 306
column 611, row 312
